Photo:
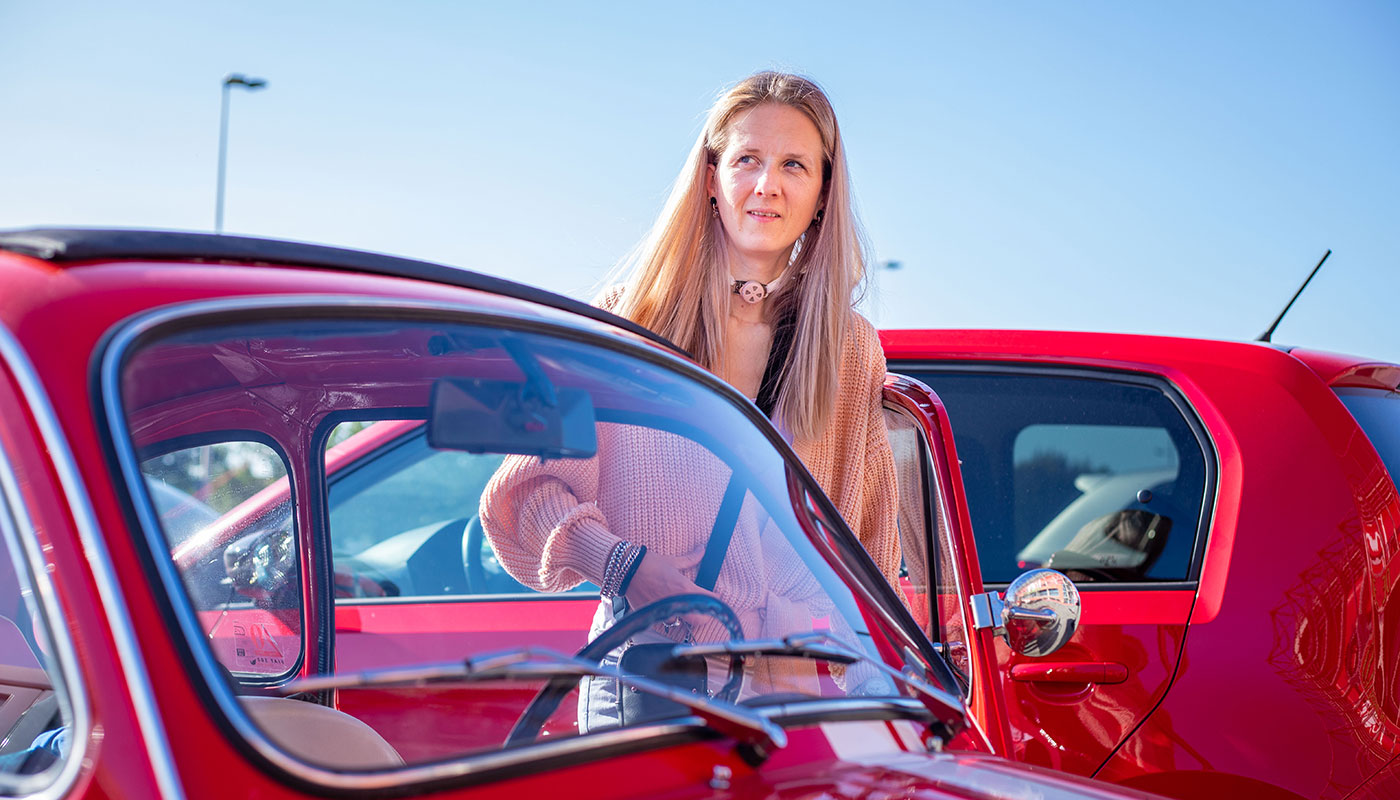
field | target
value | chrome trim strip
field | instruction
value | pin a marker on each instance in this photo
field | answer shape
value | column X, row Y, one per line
column 68, row 683
column 138, row 680
column 465, row 599
column 846, row 707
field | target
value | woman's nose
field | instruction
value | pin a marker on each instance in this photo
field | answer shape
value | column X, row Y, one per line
column 767, row 183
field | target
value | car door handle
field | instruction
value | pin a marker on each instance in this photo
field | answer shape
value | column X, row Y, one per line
column 1070, row 672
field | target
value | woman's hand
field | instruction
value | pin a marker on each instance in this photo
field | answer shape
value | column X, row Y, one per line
column 659, row 576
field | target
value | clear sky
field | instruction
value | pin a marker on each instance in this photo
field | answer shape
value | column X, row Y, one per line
column 1160, row 167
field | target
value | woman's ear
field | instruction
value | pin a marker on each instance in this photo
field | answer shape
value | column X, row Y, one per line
column 710, row 180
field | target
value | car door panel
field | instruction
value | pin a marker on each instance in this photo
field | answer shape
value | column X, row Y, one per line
column 1072, row 709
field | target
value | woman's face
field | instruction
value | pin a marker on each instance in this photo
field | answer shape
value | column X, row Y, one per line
column 768, row 184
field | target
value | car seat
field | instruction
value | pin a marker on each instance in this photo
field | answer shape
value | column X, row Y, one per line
column 321, row 735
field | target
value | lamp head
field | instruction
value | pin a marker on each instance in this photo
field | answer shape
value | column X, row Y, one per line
column 236, row 79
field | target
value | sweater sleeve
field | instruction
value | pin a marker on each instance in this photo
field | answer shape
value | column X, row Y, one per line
column 877, row 502
column 543, row 520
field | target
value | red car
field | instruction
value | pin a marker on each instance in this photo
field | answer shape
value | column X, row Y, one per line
column 240, row 554
column 1229, row 513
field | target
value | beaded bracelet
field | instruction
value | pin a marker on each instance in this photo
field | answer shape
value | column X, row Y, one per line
column 622, row 565
column 612, row 573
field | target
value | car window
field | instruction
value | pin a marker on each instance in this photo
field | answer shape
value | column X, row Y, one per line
column 929, row 583
column 1103, row 479
column 1378, row 413
column 225, row 512
column 403, row 516
column 35, row 726
column 447, row 492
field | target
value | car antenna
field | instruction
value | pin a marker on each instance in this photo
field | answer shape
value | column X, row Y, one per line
column 1264, row 337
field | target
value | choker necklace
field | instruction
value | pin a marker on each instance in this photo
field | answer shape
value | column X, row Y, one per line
column 753, row 291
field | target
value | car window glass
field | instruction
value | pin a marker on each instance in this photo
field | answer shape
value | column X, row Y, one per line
column 937, row 612
column 1086, row 490
column 1378, row 414
column 1101, row 479
column 912, row 514
column 35, row 728
column 225, row 511
column 409, row 444
column 403, row 516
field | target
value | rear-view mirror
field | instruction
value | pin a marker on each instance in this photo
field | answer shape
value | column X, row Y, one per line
column 515, row 417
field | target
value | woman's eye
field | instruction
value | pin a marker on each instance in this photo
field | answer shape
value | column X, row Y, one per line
column 795, row 164
column 745, row 160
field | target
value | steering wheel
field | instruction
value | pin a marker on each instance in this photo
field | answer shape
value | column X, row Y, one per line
column 527, row 728
column 471, row 556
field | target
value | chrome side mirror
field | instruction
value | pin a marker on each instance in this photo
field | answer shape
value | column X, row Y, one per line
column 1040, row 612
column 1037, row 615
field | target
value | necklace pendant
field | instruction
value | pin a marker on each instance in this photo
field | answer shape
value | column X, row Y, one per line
column 751, row 291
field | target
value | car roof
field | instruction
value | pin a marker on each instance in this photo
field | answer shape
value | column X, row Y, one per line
column 1130, row 350
column 62, row 247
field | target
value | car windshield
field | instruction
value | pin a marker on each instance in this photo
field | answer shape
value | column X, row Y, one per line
column 383, row 494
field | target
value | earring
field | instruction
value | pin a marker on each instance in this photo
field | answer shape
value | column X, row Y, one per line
column 821, row 212
column 714, row 207
column 797, row 248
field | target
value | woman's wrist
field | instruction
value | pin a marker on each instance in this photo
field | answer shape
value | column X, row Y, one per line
column 630, row 568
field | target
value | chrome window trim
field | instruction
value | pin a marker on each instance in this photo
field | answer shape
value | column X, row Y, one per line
column 463, row 599
column 829, row 709
column 68, row 684
column 133, row 666
column 592, row 746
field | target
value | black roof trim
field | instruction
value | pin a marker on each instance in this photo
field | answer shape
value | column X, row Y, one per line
column 62, row 245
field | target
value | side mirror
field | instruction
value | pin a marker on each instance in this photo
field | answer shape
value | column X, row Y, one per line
column 1038, row 613
column 490, row 416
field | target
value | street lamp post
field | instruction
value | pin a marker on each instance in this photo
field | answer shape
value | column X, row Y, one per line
column 251, row 84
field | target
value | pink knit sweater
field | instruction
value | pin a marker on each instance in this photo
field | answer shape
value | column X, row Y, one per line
column 553, row 523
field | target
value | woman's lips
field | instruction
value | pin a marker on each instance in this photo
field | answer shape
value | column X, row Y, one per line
column 766, row 216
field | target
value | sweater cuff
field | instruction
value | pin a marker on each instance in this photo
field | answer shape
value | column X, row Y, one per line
column 580, row 543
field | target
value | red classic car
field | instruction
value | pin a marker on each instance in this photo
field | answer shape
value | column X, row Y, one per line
column 241, row 555
column 1229, row 513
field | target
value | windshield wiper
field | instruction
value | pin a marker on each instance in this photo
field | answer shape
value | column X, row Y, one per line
column 736, row 722
column 820, row 646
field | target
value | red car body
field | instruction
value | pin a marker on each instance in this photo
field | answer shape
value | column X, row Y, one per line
column 114, row 355
column 1267, row 667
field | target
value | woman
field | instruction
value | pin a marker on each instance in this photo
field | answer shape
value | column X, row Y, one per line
column 751, row 267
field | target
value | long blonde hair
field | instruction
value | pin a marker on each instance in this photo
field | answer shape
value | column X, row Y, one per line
column 678, row 284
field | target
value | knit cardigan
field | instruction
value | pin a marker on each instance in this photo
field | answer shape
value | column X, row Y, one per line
column 554, row 523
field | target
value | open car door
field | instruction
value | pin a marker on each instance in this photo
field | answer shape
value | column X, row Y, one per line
column 940, row 575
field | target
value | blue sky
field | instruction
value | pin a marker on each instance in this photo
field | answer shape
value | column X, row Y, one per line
column 1172, row 168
